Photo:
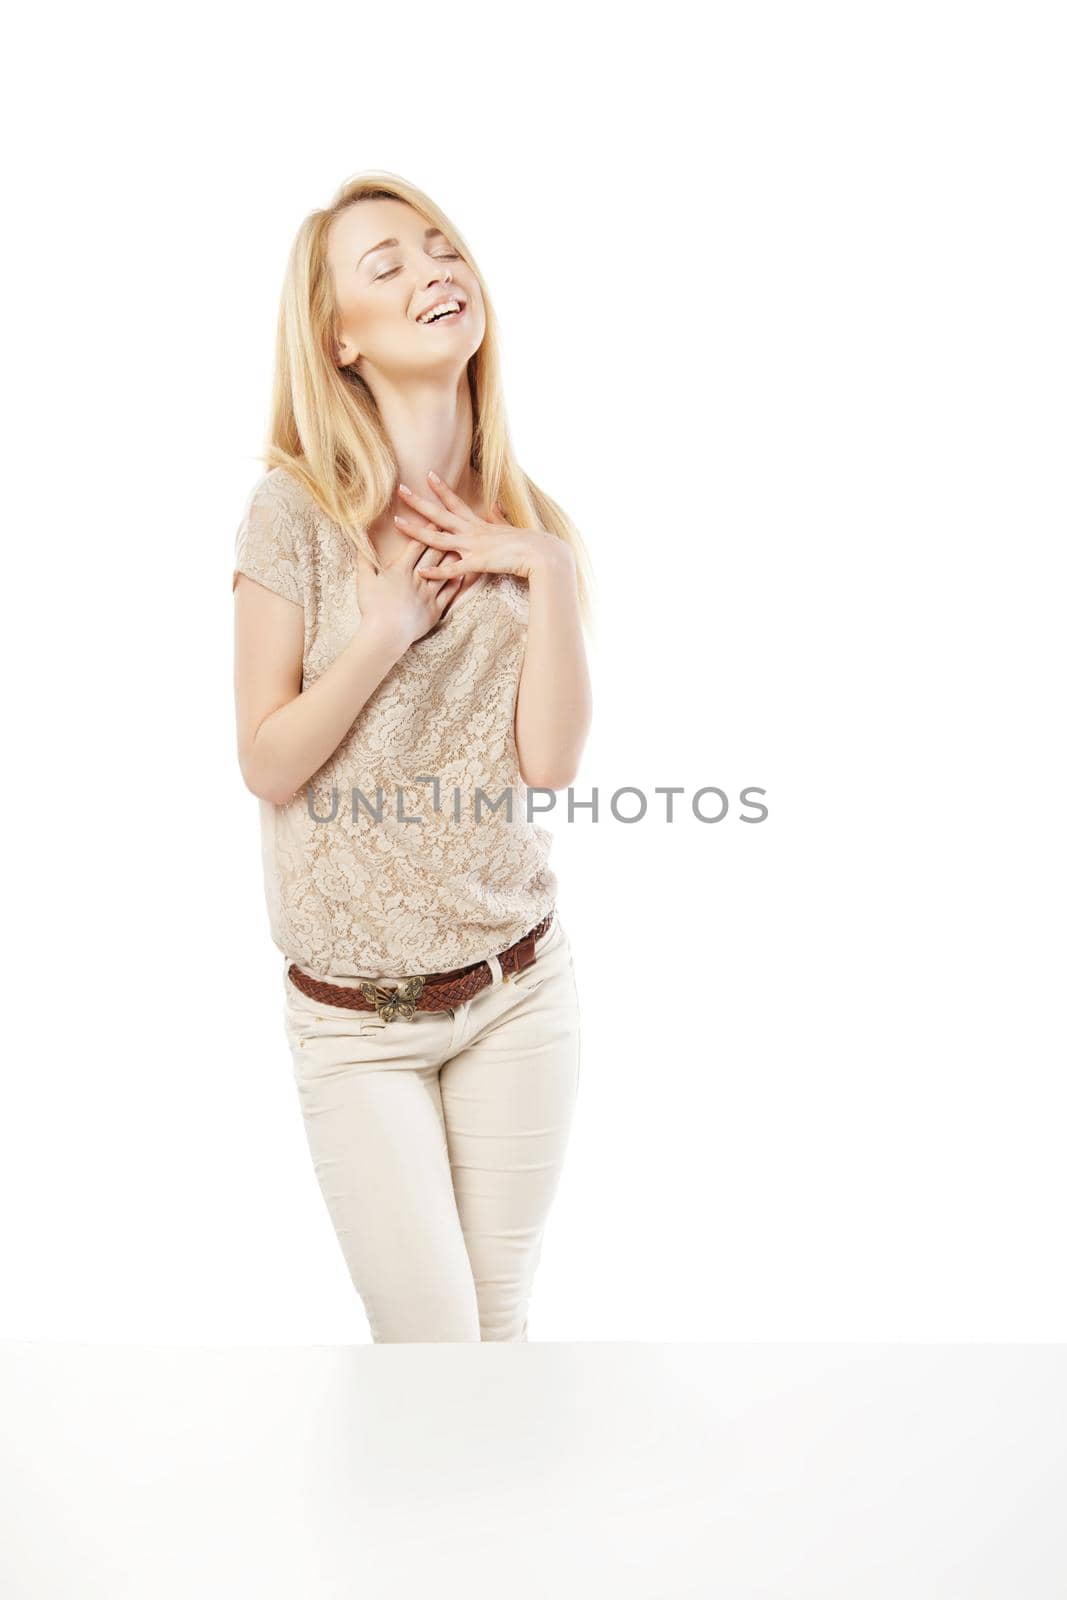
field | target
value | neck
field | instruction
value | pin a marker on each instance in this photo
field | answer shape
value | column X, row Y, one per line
column 430, row 424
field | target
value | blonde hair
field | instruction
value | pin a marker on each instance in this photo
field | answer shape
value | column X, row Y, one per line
column 324, row 426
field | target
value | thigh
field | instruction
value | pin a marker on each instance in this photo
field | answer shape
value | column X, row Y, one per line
column 373, row 1117
column 508, row 1098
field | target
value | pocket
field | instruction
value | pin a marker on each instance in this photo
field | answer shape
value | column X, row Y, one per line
column 304, row 1013
column 321, row 1039
column 531, row 977
column 548, row 952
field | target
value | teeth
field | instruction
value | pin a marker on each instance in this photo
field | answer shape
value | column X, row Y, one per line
column 437, row 310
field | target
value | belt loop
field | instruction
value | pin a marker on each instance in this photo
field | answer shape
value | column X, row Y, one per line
column 493, row 963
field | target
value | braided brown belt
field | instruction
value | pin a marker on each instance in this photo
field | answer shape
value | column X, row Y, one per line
column 433, row 991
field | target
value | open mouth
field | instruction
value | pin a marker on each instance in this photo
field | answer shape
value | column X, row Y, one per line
column 445, row 316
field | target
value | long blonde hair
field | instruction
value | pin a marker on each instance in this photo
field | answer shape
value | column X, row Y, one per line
column 324, row 426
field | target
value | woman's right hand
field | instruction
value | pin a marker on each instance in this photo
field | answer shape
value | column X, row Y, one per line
column 399, row 600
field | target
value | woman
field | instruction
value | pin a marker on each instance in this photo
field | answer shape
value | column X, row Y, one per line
column 409, row 658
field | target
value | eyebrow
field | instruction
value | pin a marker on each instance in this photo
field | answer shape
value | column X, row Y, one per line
column 430, row 233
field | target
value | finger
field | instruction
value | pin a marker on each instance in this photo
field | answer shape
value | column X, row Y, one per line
column 432, row 574
column 448, row 590
column 413, row 552
column 432, row 566
column 450, row 513
column 445, row 568
column 445, row 492
column 428, row 533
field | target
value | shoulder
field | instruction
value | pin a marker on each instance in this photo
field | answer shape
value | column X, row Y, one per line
column 280, row 513
column 279, row 490
column 276, row 535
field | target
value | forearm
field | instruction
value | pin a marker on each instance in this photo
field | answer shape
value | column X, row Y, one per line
column 554, row 706
column 294, row 742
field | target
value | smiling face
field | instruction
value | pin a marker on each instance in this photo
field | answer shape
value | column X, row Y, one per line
column 389, row 265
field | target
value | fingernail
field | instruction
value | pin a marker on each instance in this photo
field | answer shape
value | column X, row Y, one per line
column 434, row 476
column 403, row 488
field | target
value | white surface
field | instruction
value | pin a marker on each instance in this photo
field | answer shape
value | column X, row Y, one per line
column 816, row 1472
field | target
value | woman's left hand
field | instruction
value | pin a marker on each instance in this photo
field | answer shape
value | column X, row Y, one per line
column 491, row 545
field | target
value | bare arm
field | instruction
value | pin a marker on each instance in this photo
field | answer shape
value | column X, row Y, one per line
column 284, row 735
column 554, row 705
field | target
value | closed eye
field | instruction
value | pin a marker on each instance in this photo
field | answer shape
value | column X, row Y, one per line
column 452, row 257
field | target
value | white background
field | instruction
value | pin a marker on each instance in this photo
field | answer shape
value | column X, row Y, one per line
column 781, row 291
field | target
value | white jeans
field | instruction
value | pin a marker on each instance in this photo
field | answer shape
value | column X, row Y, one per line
column 438, row 1143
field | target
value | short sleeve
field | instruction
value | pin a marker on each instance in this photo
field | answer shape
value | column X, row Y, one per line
column 272, row 537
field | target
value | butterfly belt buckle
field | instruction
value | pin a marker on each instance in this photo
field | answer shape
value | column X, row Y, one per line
column 390, row 1003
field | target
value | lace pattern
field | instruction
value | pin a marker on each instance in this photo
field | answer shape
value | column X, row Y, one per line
column 354, row 896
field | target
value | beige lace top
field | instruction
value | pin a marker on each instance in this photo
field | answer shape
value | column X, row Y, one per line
column 357, row 897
